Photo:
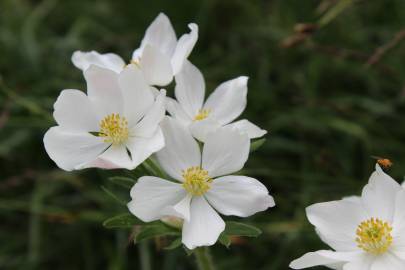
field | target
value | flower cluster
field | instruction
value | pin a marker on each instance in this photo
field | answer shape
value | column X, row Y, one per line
column 120, row 122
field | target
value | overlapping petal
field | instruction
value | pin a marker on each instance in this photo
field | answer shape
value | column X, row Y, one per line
column 204, row 226
column 137, row 95
column 337, row 222
column 190, row 89
column 73, row 111
column 225, row 152
column 83, row 60
column 228, row 100
column 156, row 66
column 184, row 47
column 159, row 34
column 152, row 195
column 103, row 91
column 239, row 196
column 181, row 151
column 70, row 150
column 376, row 195
column 331, row 259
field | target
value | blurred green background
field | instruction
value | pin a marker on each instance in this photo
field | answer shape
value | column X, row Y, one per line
column 326, row 109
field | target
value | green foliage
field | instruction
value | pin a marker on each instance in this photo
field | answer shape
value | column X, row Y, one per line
column 156, row 230
column 326, row 110
column 122, row 221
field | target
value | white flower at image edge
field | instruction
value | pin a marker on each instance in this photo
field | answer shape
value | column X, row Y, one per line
column 202, row 184
column 160, row 55
column 222, row 107
column 116, row 125
column 365, row 233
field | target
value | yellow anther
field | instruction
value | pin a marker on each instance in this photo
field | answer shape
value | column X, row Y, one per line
column 114, row 129
column 196, row 181
column 374, row 236
column 202, row 114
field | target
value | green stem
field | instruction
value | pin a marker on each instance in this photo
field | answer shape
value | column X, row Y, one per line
column 204, row 259
column 145, row 255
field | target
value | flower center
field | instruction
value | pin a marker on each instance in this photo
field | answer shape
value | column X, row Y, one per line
column 374, row 236
column 196, row 181
column 114, row 129
column 202, row 114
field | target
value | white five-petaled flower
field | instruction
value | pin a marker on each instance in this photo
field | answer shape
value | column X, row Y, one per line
column 160, row 55
column 222, row 107
column 202, row 184
column 366, row 233
column 116, row 125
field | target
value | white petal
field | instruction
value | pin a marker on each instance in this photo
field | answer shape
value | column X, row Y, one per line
column 201, row 129
column 181, row 209
column 142, row 148
column 137, row 95
column 364, row 263
column 379, row 195
column 239, row 196
column 151, row 195
column 334, row 260
column 249, row 128
column 69, row 150
column 204, row 227
column 103, row 91
column 83, row 60
column 150, row 122
column 73, row 111
column 115, row 157
column 190, row 89
column 337, row 221
column 175, row 110
column 156, row 66
column 398, row 226
column 403, row 184
column 387, row 261
column 184, row 47
column 225, row 151
column 181, row 151
column 159, row 34
column 228, row 100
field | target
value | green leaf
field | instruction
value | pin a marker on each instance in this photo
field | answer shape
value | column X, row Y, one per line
column 122, row 181
column 189, row 252
column 241, row 229
column 175, row 244
column 255, row 145
column 113, row 196
column 122, row 221
column 225, row 240
column 150, row 231
column 335, row 11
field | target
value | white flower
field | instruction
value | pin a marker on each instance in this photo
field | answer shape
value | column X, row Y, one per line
column 160, row 55
column 222, row 107
column 116, row 125
column 202, row 184
column 365, row 233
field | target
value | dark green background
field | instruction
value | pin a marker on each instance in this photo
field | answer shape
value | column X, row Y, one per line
column 326, row 113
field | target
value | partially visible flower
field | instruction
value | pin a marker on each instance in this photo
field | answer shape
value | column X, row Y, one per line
column 201, row 184
column 365, row 233
column 220, row 109
column 116, row 125
column 160, row 55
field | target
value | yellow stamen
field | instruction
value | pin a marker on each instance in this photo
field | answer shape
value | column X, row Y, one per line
column 114, row 129
column 196, row 181
column 374, row 236
column 202, row 114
